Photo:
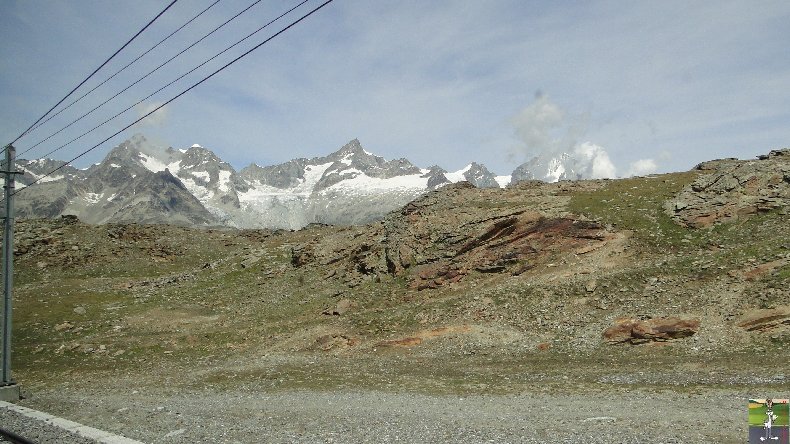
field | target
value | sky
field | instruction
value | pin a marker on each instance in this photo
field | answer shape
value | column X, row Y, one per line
column 634, row 86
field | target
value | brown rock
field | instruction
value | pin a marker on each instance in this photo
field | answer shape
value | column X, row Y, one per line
column 765, row 319
column 343, row 306
column 335, row 341
column 763, row 269
column 64, row 326
column 659, row 329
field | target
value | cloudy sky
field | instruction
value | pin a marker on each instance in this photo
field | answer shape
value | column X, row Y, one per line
column 635, row 86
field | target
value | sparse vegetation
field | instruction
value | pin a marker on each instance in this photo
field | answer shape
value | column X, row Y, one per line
column 467, row 291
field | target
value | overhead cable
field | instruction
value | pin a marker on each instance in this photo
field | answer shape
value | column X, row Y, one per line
column 126, row 66
column 94, row 71
column 170, row 83
column 294, row 23
column 139, row 80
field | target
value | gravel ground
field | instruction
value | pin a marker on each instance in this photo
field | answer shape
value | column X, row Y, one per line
column 37, row 431
column 713, row 416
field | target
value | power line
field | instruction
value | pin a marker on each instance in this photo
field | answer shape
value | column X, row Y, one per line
column 138, row 80
column 294, row 23
column 170, row 83
column 94, row 71
column 122, row 69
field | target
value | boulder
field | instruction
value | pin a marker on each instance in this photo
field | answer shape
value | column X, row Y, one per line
column 636, row 331
column 343, row 306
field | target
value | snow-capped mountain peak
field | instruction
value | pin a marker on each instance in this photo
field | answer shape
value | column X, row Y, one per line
column 195, row 186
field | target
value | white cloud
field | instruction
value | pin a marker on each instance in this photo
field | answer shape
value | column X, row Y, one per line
column 544, row 128
column 642, row 167
column 437, row 84
column 598, row 164
column 158, row 118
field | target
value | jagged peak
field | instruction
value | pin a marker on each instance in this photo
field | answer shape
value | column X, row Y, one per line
column 474, row 166
column 436, row 168
column 353, row 147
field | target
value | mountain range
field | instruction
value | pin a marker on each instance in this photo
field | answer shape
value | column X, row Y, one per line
column 139, row 181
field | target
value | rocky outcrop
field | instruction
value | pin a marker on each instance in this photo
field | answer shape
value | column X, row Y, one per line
column 730, row 189
column 634, row 331
column 765, row 319
column 444, row 236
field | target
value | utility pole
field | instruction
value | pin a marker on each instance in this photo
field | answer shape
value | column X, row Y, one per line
column 9, row 390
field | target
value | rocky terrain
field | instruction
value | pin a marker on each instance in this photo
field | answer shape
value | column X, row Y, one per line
column 448, row 319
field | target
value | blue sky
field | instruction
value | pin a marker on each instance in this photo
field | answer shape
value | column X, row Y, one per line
column 653, row 85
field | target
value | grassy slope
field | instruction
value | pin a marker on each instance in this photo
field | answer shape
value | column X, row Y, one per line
column 228, row 325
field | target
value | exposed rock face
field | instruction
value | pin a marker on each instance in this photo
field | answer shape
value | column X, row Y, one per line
column 634, row 331
column 436, row 177
column 119, row 189
column 479, row 176
column 434, row 242
column 734, row 189
column 765, row 319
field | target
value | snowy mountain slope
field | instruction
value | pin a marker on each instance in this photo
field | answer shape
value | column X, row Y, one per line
column 140, row 181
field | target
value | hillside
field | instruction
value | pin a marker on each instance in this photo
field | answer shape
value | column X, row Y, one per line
column 676, row 282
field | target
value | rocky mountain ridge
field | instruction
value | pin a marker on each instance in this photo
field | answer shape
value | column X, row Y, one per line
column 139, row 181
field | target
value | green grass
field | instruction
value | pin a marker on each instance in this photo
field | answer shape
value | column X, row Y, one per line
column 637, row 204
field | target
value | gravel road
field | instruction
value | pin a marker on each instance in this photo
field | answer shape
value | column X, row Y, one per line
column 37, row 431
column 713, row 416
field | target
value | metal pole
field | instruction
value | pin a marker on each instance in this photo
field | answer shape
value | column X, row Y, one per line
column 8, row 263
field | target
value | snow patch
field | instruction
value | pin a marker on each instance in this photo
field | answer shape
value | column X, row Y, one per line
column 152, row 163
column 346, row 160
column 224, row 181
column 458, row 176
column 92, row 197
column 503, row 181
column 556, row 170
column 204, row 175
column 261, row 192
column 195, row 146
column 50, row 179
column 364, row 184
column 200, row 192
column 40, row 178
column 174, row 167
